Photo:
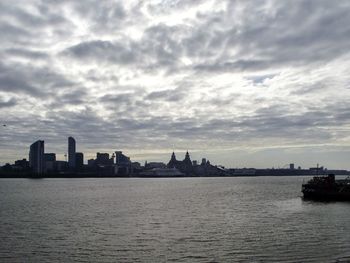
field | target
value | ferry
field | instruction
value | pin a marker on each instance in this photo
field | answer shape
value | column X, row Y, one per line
column 162, row 172
column 326, row 188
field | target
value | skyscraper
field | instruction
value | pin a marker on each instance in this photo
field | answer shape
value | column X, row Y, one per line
column 36, row 157
column 79, row 160
column 71, row 153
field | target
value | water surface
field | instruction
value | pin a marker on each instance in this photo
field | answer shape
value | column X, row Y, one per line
column 260, row 219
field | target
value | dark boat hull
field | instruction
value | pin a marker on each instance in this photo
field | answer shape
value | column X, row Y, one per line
column 326, row 195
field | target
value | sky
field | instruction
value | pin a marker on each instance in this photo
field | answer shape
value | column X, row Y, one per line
column 260, row 83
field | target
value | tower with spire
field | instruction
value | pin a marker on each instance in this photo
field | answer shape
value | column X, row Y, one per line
column 184, row 166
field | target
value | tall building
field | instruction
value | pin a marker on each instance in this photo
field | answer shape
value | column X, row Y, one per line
column 79, row 160
column 36, row 157
column 71, row 153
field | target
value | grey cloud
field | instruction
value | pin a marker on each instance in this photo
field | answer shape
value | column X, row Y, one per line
column 170, row 95
column 102, row 51
column 30, row 54
column 7, row 103
column 77, row 96
column 37, row 82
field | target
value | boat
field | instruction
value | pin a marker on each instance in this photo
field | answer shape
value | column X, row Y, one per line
column 326, row 188
column 162, row 172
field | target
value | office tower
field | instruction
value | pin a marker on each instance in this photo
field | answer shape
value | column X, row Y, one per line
column 79, row 160
column 71, row 153
column 36, row 157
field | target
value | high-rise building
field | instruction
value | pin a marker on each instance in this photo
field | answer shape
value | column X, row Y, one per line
column 36, row 157
column 71, row 153
column 79, row 160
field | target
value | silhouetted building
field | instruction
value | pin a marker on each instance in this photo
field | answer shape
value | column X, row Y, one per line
column 79, row 160
column 91, row 162
column 71, row 152
column 50, row 157
column 103, row 159
column 123, row 165
column 36, row 157
column 61, row 166
column 121, row 159
column 152, row 165
column 49, row 162
column 291, row 166
column 24, row 164
column 184, row 166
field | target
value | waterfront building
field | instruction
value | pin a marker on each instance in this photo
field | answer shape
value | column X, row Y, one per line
column 71, row 153
column 79, row 160
column 62, row 166
column 121, row 159
column 152, row 165
column 102, row 159
column 49, row 162
column 184, row 166
column 36, row 157
column 24, row 164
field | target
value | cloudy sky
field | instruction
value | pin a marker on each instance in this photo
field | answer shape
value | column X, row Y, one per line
column 243, row 83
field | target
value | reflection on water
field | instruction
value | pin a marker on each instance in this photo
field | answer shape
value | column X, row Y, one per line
column 260, row 219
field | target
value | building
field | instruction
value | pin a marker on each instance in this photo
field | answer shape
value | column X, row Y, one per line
column 152, row 165
column 49, row 162
column 71, row 153
column 102, row 159
column 36, row 157
column 123, row 165
column 24, row 164
column 184, row 166
column 61, row 166
column 121, row 159
column 79, row 160
column 291, row 166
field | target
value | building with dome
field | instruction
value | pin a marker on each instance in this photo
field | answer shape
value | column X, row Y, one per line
column 185, row 166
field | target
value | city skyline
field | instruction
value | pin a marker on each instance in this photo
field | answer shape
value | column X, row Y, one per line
column 243, row 83
column 73, row 160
